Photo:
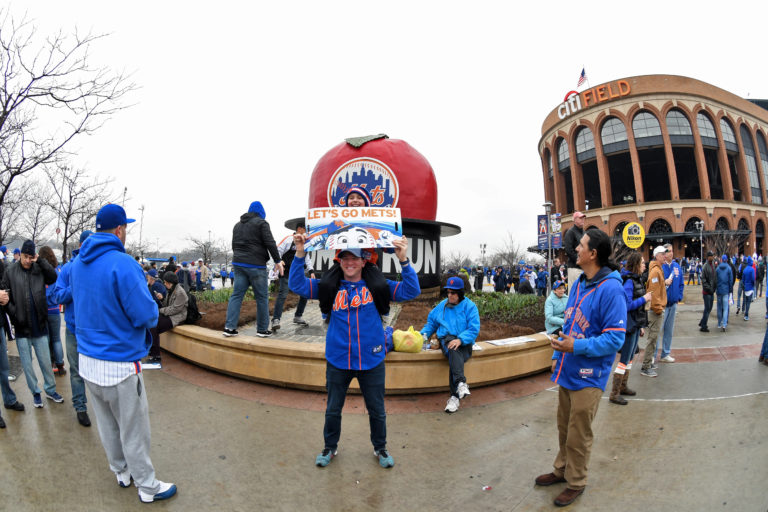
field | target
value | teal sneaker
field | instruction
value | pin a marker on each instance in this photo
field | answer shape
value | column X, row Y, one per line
column 324, row 458
column 385, row 459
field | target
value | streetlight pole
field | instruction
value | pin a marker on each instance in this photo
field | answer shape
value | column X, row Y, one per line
column 548, row 211
column 700, row 226
column 141, row 231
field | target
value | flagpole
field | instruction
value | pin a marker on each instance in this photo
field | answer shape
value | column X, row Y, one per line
column 587, row 76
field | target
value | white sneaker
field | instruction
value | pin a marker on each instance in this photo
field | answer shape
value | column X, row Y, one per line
column 667, row 359
column 452, row 405
column 463, row 390
column 166, row 491
column 124, row 478
column 275, row 324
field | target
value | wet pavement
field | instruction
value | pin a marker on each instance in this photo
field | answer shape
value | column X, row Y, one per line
column 695, row 438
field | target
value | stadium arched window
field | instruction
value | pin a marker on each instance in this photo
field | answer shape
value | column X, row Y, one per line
column 646, row 125
column 563, row 157
column 749, row 158
column 722, row 224
column 728, row 135
column 706, row 130
column 677, row 123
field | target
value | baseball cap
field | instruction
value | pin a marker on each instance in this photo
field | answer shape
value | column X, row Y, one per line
column 84, row 235
column 152, row 273
column 454, row 283
column 354, row 252
column 110, row 216
column 558, row 284
column 578, row 214
column 710, row 253
column 659, row 250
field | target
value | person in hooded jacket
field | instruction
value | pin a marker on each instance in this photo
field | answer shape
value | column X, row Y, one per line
column 172, row 312
column 63, row 294
column 594, row 329
column 456, row 322
column 554, row 308
column 657, row 285
column 675, row 292
column 748, row 278
column 637, row 320
column 114, row 313
column 725, row 280
column 355, row 343
column 252, row 246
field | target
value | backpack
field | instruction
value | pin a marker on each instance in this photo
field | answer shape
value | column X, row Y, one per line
column 193, row 314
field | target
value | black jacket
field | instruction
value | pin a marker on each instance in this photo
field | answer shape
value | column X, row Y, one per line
column 252, row 241
column 708, row 278
column 572, row 240
column 19, row 282
column 3, row 318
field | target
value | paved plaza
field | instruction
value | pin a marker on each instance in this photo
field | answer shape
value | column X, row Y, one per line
column 693, row 439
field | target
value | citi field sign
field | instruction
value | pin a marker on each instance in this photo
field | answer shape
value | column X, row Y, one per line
column 574, row 101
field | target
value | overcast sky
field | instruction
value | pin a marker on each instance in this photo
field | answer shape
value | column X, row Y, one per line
column 239, row 100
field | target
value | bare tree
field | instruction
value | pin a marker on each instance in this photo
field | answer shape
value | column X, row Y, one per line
column 11, row 209
column 508, row 253
column 456, row 260
column 205, row 248
column 724, row 243
column 76, row 200
column 36, row 216
column 50, row 94
column 224, row 247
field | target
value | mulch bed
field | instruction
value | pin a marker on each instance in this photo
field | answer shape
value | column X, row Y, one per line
column 415, row 313
column 215, row 315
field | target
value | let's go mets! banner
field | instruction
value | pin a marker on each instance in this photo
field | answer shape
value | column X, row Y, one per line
column 352, row 228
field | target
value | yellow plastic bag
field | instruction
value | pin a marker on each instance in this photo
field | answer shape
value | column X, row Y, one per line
column 408, row 341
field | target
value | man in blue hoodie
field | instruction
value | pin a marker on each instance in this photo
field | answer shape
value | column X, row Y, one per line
column 674, row 295
column 594, row 329
column 114, row 313
column 252, row 246
column 63, row 295
column 725, row 279
column 748, row 278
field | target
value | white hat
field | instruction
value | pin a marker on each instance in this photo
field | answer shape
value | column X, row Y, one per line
column 659, row 250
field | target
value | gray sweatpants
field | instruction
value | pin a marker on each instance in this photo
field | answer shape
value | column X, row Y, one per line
column 122, row 416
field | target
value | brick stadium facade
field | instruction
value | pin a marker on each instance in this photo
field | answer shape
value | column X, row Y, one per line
column 665, row 151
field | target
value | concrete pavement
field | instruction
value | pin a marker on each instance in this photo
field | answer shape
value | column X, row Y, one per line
column 693, row 439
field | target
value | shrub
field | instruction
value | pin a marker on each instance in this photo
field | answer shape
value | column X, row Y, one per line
column 219, row 296
column 515, row 308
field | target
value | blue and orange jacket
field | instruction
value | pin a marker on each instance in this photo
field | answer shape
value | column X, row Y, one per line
column 596, row 315
column 355, row 338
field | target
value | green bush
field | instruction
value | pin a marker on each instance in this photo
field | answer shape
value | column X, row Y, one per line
column 219, row 296
column 508, row 308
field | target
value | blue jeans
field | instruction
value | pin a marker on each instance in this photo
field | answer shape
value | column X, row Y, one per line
column 741, row 292
column 667, row 327
column 747, row 302
column 43, row 355
column 54, row 335
column 371, row 386
column 76, row 381
column 9, row 397
column 722, row 310
column 764, row 350
column 257, row 279
column 629, row 347
column 282, row 294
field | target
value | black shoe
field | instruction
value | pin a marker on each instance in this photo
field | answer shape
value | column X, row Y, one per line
column 15, row 406
column 230, row 332
column 2, row 423
column 83, row 418
column 263, row 334
column 704, row 329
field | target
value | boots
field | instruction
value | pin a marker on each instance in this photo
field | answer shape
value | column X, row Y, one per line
column 616, row 397
column 61, row 369
column 624, row 390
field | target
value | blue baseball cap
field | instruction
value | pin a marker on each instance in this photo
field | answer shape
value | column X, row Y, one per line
column 85, row 234
column 558, row 284
column 355, row 252
column 724, row 258
column 152, row 273
column 110, row 216
column 454, row 283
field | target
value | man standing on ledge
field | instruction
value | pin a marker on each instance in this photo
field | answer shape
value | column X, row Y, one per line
column 594, row 329
column 114, row 313
column 252, row 245
column 570, row 243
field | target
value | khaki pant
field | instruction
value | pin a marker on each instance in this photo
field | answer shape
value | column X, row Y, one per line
column 575, row 412
column 573, row 276
column 654, row 327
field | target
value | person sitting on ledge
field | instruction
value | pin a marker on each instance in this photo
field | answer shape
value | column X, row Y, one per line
column 456, row 322
column 172, row 312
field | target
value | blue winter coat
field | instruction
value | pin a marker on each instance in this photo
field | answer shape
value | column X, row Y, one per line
column 461, row 320
column 724, row 278
column 113, row 307
column 355, row 338
column 674, row 290
column 554, row 312
column 748, row 276
column 62, row 292
column 596, row 315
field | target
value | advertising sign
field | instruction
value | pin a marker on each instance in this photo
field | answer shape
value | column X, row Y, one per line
column 633, row 235
column 554, row 228
column 352, row 228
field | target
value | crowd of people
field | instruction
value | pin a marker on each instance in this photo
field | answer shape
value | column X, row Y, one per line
column 115, row 312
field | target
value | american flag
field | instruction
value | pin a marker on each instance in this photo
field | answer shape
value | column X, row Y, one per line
column 582, row 78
